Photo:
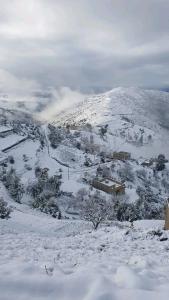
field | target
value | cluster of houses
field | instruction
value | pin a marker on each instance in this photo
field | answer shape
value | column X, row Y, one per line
column 108, row 184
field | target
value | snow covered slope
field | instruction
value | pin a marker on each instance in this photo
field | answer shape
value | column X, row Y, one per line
column 137, row 103
column 42, row 258
column 135, row 117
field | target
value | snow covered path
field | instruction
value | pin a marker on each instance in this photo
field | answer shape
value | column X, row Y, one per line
column 42, row 258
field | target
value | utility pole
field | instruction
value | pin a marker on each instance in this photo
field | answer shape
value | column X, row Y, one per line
column 68, row 173
column 166, row 226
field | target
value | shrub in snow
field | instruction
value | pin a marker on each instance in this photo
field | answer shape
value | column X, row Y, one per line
column 95, row 209
column 13, row 185
column 88, row 144
column 11, row 159
column 78, row 145
column 88, row 127
column 81, row 194
column 25, row 158
column 99, row 171
column 126, row 212
column 106, row 172
column 53, row 184
column 149, row 205
column 44, row 192
column 35, row 189
column 37, row 171
column 126, row 173
column 47, row 204
column 56, row 135
column 44, row 183
column 87, row 162
column 165, row 184
column 103, row 130
column 28, row 167
column 160, row 165
column 5, row 210
column 141, row 173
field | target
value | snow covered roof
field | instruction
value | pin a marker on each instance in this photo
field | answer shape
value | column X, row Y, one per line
column 111, row 182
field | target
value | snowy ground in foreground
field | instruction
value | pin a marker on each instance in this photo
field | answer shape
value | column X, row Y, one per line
column 81, row 264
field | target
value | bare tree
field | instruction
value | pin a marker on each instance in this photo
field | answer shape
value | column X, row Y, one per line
column 95, row 209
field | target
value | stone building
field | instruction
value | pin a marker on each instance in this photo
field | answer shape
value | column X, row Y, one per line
column 122, row 155
column 109, row 185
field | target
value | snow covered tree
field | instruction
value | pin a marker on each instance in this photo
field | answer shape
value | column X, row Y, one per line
column 81, row 194
column 95, row 209
column 45, row 191
column 55, row 135
column 13, row 184
column 5, row 210
column 87, row 162
column 126, row 212
column 37, row 171
column 106, row 171
column 88, row 145
column 123, row 210
column 47, row 203
column 25, row 158
column 103, row 130
column 149, row 205
column 126, row 173
column 11, row 159
column 142, row 174
column 52, row 208
column 160, row 165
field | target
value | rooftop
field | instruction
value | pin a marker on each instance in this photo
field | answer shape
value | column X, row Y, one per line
column 111, row 182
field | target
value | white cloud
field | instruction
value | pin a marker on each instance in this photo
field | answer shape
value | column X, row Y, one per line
column 62, row 99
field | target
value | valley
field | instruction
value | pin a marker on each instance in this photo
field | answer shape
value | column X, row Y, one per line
column 118, row 140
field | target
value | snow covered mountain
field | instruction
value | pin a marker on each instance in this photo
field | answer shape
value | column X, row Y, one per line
column 140, row 105
column 135, row 117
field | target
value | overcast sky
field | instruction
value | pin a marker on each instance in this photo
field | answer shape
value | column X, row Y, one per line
column 83, row 44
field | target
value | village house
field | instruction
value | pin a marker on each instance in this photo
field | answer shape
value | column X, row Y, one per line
column 109, row 185
column 122, row 155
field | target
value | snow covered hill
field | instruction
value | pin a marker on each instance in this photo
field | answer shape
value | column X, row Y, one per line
column 137, row 103
column 135, row 117
column 44, row 258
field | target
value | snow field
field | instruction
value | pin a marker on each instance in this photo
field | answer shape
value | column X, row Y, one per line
column 42, row 258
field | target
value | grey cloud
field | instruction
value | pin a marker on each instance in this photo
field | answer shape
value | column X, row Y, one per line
column 85, row 44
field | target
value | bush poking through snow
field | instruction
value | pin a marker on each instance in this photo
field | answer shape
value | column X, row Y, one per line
column 56, row 135
column 47, row 204
column 126, row 173
column 13, row 185
column 11, row 159
column 5, row 210
column 45, row 191
column 160, row 165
